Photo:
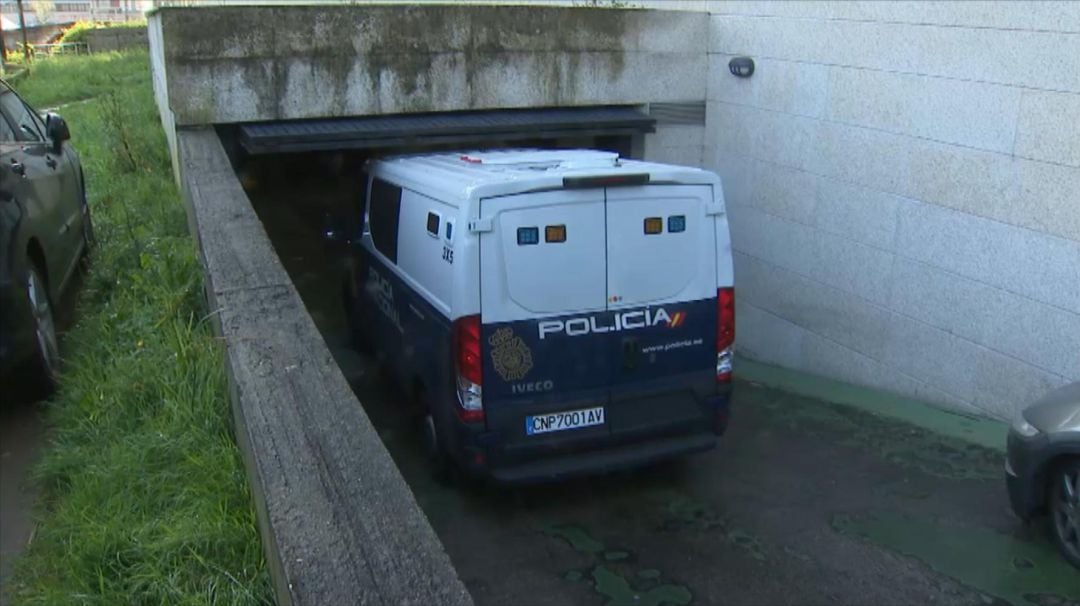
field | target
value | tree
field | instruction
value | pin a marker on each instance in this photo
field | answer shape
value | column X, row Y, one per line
column 43, row 10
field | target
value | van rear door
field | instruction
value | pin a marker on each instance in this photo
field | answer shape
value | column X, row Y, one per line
column 528, row 275
column 661, row 260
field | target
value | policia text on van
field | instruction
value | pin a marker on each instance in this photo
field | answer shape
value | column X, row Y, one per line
column 555, row 312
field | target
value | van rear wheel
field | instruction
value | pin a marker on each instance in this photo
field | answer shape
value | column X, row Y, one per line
column 439, row 463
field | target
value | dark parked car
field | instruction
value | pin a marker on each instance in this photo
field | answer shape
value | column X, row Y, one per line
column 1043, row 466
column 45, row 230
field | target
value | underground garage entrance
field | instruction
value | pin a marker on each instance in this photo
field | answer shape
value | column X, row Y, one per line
column 306, row 180
column 314, row 170
column 803, row 502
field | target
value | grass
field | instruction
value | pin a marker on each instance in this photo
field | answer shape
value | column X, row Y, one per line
column 68, row 78
column 143, row 494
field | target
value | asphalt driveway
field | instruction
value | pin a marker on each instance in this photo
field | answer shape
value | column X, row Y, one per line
column 804, row 502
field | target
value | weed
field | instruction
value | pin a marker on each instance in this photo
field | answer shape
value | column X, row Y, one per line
column 69, row 78
column 117, row 119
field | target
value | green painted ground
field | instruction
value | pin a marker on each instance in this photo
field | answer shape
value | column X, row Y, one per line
column 616, row 580
column 910, row 445
column 680, row 512
column 981, row 431
column 1007, row 567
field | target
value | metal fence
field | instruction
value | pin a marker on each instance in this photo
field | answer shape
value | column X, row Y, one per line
column 41, row 51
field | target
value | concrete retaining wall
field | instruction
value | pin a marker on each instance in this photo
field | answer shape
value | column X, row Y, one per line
column 106, row 39
column 904, row 191
column 339, row 525
column 233, row 64
column 160, row 81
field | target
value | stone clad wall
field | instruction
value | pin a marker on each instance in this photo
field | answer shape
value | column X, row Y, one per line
column 904, row 191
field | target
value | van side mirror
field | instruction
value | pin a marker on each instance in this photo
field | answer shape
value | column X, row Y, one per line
column 57, row 130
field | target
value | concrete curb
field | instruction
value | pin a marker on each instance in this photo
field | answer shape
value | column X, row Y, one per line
column 981, row 431
column 339, row 525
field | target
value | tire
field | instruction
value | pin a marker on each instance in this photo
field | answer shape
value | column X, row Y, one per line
column 45, row 364
column 439, row 464
column 1064, row 509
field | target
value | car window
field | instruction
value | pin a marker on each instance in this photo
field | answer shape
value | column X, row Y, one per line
column 23, row 121
column 383, row 216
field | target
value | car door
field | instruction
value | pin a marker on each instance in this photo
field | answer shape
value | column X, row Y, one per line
column 47, row 186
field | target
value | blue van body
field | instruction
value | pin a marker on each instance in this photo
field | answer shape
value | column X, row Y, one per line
column 602, row 388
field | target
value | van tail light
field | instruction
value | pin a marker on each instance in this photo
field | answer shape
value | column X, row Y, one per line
column 469, row 368
column 725, row 333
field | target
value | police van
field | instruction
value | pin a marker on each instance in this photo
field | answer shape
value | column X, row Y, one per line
column 553, row 312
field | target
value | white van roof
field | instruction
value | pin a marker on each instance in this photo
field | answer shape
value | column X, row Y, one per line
column 474, row 174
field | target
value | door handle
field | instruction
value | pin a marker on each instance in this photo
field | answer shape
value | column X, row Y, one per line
column 51, row 162
column 18, row 168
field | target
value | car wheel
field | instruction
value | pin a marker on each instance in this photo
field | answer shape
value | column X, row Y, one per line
column 47, row 357
column 1064, row 509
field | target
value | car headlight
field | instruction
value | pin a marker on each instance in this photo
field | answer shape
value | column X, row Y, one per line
column 1022, row 427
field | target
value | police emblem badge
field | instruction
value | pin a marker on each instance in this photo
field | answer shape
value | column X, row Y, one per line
column 512, row 358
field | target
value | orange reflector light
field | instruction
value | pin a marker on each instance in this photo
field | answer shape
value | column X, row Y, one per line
column 654, row 225
column 555, row 233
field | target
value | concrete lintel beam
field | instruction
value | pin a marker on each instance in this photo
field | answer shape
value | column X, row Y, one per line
column 244, row 64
